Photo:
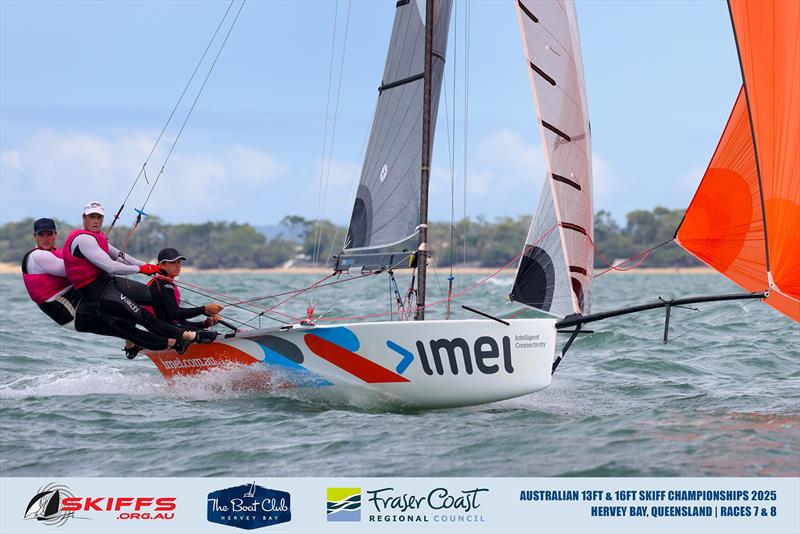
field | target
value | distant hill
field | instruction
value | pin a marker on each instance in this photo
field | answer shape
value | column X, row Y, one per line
column 294, row 232
column 297, row 240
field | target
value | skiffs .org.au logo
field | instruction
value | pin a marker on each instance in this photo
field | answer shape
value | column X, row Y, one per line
column 344, row 504
column 45, row 505
column 249, row 506
column 54, row 504
column 387, row 505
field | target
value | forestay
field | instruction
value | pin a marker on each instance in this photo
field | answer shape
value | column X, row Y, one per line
column 555, row 270
column 386, row 209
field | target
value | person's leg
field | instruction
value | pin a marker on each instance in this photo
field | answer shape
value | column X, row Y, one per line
column 138, row 291
column 122, row 306
column 114, row 327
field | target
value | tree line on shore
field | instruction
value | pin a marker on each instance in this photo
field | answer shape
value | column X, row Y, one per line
column 477, row 242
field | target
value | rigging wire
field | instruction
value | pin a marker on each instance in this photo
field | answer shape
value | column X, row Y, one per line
column 467, row 18
column 318, row 241
column 325, row 130
column 642, row 256
column 191, row 109
column 450, row 277
column 143, row 170
column 208, row 294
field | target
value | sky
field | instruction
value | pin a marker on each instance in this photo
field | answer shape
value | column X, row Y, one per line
column 86, row 87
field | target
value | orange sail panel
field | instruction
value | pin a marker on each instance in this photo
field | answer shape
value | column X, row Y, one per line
column 723, row 226
column 752, row 185
column 768, row 40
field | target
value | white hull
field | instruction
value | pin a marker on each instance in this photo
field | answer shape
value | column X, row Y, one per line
column 407, row 363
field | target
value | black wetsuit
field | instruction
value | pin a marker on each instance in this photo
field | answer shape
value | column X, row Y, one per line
column 167, row 307
column 118, row 301
column 69, row 306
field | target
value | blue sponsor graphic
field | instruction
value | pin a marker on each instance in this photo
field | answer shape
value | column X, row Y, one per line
column 249, row 506
column 344, row 504
column 339, row 335
column 408, row 357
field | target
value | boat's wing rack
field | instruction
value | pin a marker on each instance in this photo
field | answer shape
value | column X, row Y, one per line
column 577, row 321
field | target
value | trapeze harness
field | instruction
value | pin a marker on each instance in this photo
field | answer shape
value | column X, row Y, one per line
column 54, row 295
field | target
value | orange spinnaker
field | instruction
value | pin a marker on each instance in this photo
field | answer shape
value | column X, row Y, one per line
column 724, row 220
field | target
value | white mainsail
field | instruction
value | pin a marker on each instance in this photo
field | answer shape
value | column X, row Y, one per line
column 555, row 270
column 386, row 209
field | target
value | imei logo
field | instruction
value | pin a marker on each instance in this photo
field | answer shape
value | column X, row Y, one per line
column 46, row 505
column 344, row 504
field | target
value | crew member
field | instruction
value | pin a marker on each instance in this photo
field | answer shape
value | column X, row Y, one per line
column 45, row 278
column 91, row 265
column 167, row 297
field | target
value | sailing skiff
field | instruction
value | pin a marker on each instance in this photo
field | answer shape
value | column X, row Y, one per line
column 743, row 221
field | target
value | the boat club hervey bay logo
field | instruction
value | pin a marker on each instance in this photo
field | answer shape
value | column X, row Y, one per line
column 54, row 504
column 249, row 506
column 390, row 505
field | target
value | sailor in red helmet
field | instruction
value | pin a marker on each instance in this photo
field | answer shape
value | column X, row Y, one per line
column 45, row 278
column 92, row 264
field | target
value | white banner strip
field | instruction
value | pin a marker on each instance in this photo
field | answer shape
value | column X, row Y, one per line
column 414, row 505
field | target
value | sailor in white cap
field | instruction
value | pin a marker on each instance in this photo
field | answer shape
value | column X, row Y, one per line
column 92, row 264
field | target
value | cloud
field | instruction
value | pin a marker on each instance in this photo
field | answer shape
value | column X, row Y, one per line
column 607, row 183
column 57, row 172
column 10, row 159
column 505, row 178
column 340, row 181
column 505, row 161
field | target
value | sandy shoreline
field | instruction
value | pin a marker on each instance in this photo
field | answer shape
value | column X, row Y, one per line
column 14, row 268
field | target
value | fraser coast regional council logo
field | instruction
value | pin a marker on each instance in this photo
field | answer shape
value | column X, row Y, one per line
column 344, row 504
column 249, row 506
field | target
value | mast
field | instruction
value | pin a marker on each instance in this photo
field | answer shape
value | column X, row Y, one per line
column 422, row 249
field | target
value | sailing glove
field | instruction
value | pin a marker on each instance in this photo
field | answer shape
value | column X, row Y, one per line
column 149, row 269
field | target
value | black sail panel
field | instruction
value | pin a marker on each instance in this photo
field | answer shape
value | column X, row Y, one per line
column 386, row 208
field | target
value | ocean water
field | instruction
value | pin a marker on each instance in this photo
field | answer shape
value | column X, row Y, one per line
column 721, row 399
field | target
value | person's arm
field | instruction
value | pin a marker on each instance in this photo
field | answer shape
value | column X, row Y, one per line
column 171, row 308
column 91, row 250
column 44, row 262
column 122, row 257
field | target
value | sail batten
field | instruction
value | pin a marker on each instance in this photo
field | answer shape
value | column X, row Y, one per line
column 555, row 270
column 386, row 210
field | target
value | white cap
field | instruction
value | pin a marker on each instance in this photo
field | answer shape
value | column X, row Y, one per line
column 93, row 207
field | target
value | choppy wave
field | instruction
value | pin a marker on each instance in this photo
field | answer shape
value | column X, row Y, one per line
column 721, row 399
